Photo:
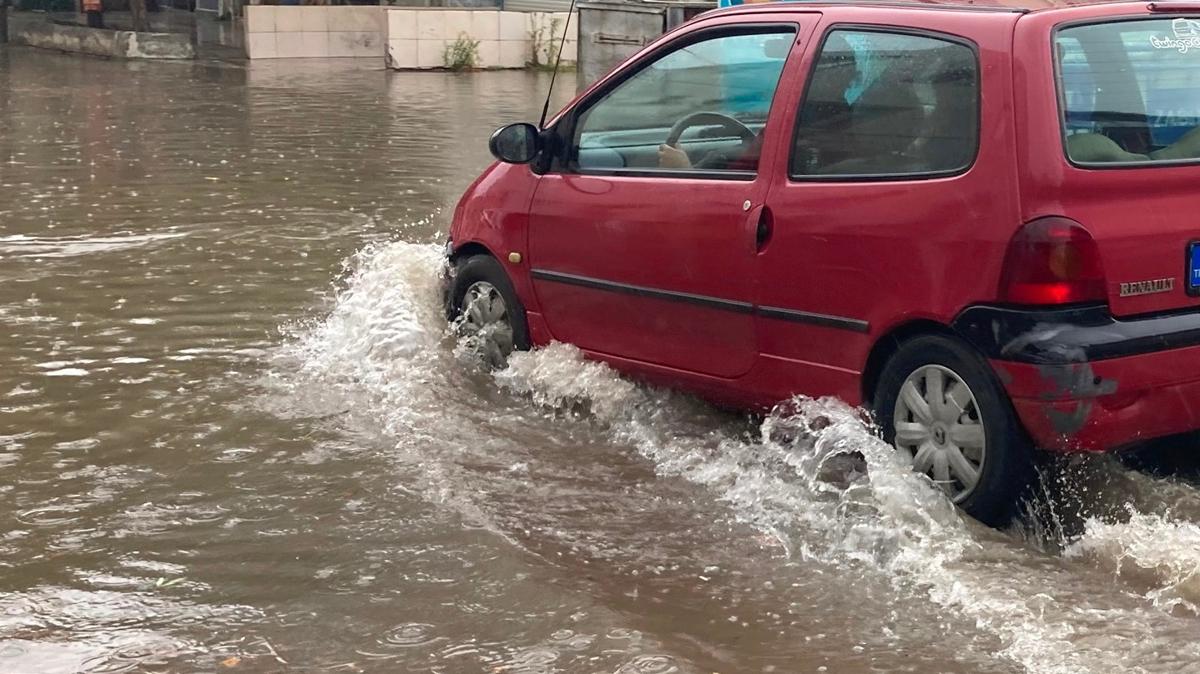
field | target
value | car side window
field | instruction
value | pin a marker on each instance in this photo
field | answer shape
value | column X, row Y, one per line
column 700, row 108
column 886, row 104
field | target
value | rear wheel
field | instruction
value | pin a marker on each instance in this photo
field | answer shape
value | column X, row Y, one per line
column 940, row 405
column 486, row 311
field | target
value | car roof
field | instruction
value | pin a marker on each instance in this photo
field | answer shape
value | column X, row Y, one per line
column 977, row 5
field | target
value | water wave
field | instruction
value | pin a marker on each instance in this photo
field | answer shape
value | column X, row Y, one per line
column 19, row 245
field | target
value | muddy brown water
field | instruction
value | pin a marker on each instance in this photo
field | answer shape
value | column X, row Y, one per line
column 234, row 435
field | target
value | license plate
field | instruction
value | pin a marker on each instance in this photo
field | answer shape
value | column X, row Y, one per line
column 1193, row 268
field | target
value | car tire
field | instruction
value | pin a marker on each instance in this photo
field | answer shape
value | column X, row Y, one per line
column 483, row 305
column 977, row 423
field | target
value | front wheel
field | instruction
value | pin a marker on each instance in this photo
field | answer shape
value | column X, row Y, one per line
column 940, row 405
column 485, row 310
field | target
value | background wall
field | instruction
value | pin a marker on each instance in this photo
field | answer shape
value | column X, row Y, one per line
column 408, row 38
column 418, row 38
column 344, row 31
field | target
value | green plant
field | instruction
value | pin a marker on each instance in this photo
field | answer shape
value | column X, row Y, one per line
column 462, row 54
column 543, row 45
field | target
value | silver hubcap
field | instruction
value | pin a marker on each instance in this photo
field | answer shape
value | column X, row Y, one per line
column 485, row 323
column 939, row 427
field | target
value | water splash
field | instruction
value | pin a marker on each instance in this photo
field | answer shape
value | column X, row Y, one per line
column 812, row 474
column 818, row 479
column 1155, row 552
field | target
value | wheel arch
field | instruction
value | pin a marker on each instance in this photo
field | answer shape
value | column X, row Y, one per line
column 469, row 249
column 889, row 343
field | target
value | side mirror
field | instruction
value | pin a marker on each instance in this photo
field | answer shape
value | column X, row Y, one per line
column 515, row 143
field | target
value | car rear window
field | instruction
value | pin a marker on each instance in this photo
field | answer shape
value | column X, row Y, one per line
column 1130, row 91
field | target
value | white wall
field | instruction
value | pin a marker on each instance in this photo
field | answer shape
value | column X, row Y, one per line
column 407, row 38
column 312, row 31
column 417, row 37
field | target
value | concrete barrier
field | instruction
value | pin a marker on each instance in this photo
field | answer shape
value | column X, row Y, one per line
column 46, row 34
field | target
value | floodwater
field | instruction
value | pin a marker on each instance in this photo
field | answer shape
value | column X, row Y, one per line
column 235, row 436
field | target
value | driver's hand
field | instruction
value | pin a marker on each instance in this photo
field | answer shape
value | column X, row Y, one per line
column 673, row 158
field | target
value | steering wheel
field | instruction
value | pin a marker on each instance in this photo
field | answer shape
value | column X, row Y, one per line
column 709, row 119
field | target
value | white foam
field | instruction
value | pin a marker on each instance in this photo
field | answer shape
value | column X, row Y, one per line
column 1155, row 551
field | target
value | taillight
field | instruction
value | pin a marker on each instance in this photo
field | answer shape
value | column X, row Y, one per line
column 1052, row 261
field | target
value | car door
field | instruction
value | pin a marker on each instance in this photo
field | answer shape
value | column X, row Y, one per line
column 891, row 208
column 638, row 253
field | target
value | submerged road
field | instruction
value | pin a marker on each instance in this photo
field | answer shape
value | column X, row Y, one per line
column 234, row 435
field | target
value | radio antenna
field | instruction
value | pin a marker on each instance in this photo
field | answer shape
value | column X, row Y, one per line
column 557, row 60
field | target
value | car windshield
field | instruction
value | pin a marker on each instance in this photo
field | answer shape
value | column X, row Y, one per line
column 1131, row 90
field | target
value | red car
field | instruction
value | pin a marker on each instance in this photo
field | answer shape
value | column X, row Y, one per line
column 981, row 221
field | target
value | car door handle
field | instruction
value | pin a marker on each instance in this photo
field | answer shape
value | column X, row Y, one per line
column 764, row 229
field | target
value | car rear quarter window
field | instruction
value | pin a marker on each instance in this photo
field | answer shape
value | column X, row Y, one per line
column 882, row 104
column 1130, row 91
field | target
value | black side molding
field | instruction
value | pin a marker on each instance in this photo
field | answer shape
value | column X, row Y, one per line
column 824, row 320
column 794, row 315
column 643, row 291
column 1073, row 335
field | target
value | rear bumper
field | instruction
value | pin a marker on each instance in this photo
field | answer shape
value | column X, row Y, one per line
column 1082, row 380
